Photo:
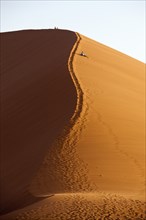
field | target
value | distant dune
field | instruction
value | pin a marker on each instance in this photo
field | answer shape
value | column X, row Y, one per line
column 73, row 141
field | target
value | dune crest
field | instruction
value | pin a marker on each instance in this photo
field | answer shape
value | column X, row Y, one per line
column 65, row 170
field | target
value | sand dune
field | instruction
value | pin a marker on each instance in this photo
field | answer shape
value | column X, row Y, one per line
column 95, row 168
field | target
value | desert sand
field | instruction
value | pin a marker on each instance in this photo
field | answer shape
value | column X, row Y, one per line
column 87, row 160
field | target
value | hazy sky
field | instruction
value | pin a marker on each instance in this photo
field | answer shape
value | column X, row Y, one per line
column 119, row 24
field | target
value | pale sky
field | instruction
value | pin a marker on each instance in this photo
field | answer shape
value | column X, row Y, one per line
column 119, row 24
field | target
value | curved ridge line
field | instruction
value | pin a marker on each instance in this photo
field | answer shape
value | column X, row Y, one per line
column 79, row 105
column 79, row 91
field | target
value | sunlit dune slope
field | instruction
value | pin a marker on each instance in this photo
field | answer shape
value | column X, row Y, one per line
column 38, row 98
column 113, row 140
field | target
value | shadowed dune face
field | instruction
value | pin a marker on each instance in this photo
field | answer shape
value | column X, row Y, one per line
column 38, row 99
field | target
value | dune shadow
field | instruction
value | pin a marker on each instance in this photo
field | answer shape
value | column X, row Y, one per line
column 38, row 100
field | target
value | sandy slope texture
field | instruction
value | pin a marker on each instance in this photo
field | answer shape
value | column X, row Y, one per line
column 79, row 206
column 98, row 173
column 113, row 141
column 38, row 98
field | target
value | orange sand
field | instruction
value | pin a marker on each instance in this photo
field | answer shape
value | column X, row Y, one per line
column 113, row 141
column 96, row 168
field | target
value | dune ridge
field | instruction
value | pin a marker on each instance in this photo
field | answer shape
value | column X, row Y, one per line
column 79, row 104
column 66, row 171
